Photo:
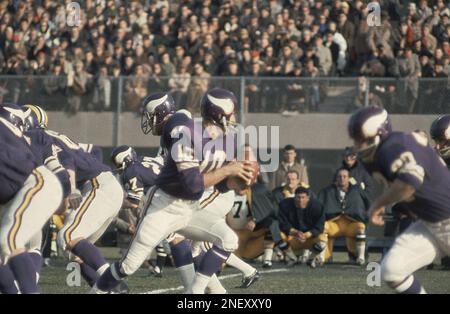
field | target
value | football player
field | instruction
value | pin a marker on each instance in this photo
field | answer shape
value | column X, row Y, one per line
column 440, row 133
column 137, row 175
column 30, row 194
column 254, row 218
column 175, row 198
column 417, row 178
column 92, row 208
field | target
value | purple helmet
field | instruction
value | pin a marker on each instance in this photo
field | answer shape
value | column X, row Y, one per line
column 217, row 106
column 369, row 125
column 156, row 107
column 123, row 156
column 13, row 114
column 440, row 133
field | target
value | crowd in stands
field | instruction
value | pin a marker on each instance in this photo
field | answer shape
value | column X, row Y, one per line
column 179, row 45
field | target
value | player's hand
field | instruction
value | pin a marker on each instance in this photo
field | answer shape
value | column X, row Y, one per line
column 241, row 169
column 301, row 236
column 131, row 229
column 376, row 216
column 250, row 226
column 74, row 199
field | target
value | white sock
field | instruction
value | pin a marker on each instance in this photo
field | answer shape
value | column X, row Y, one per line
column 290, row 254
column 268, row 254
column 102, row 269
column 240, row 265
column 215, row 286
column 360, row 249
column 187, row 275
column 200, row 283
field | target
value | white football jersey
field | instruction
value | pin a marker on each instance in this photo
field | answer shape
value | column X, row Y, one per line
column 238, row 217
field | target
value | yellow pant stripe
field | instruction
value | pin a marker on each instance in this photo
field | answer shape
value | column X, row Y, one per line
column 81, row 212
column 209, row 199
column 22, row 208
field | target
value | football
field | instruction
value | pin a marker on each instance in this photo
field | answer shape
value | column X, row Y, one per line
column 250, row 155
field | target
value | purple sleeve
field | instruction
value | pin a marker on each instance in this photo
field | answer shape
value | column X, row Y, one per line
column 66, row 159
column 192, row 180
column 400, row 163
column 63, row 177
column 97, row 153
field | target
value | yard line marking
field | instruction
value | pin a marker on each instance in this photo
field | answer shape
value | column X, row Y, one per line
column 159, row 291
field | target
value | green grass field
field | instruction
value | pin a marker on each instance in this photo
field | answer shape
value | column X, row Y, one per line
column 332, row 278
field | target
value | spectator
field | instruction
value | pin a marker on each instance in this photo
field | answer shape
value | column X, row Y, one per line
column 167, row 67
column 199, row 86
column 429, row 41
column 155, row 82
column 179, row 84
column 215, row 33
column 289, row 163
column 409, row 68
column 358, row 174
column 323, row 53
column 101, row 99
column 253, row 90
column 78, row 83
column 55, row 86
column 302, row 222
column 288, row 189
column 345, row 210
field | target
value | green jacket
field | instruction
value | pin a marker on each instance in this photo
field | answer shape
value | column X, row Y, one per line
column 355, row 203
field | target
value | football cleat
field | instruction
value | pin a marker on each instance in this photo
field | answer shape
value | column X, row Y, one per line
column 250, row 280
column 122, row 288
column 360, row 261
column 267, row 264
column 156, row 271
column 312, row 263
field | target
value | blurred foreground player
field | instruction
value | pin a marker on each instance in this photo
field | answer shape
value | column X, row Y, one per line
column 414, row 175
column 29, row 195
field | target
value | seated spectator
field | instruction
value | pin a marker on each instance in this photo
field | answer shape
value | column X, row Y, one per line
column 345, row 208
column 288, row 189
column 289, row 163
column 302, row 222
column 358, row 174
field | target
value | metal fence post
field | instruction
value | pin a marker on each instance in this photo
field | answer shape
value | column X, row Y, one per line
column 242, row 100
column 366, row 93
column 117, row 117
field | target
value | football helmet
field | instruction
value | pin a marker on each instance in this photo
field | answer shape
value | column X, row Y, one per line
column 368, row 127
column 440, row 133
column 123, row 156
column 35, row 117
column 218, row 106
column 156, row 108
column 13, row 114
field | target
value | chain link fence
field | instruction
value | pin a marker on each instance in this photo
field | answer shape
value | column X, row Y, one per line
column 285, row 95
